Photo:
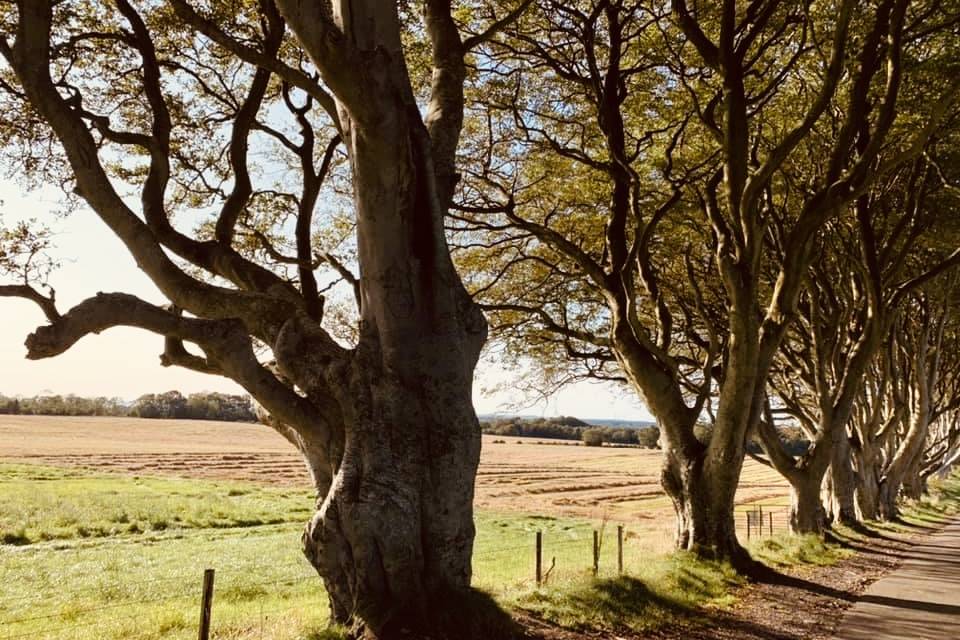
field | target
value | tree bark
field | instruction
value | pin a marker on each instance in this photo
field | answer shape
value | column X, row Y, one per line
column 700, row 478
column 867, row 480
column 911, row 447
column 840, row 497
column 914, row 485
column 868, row 494
column 703, row 502
column 394, row 534
column 393, row 537
column 887, row 496
column 805, row 475
column 807, row 514
column 892, row 481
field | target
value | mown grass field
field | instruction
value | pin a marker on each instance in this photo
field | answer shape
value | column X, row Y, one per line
column 106, row 526
column 77, row 573
column 112, row 545
column 556, row 477
column 91, row 555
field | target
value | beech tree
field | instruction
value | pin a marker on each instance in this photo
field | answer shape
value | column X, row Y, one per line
column 691, row 121
column 924, row 341
column 156, row 115
column 878, row 414
column 869, row 262
column 942, row 449
column 822, row 363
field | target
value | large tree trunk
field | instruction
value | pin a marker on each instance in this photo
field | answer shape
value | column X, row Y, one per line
column 911, row 447
column 867, row 492
column 914, row 485
column 805, row 475
column 906, row 461
column 887, row 497
column 807, row 514
column 840, row 496
column 898, row 470
column 700, row 478
column 703, row 502
column 394, row 535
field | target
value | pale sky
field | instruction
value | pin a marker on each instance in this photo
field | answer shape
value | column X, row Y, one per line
column 125, row 362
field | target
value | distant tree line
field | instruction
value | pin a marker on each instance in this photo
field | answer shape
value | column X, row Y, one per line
column 792, row 438
column 570, row 428
column 57, row 405
column 172, row 404
column 198, row 406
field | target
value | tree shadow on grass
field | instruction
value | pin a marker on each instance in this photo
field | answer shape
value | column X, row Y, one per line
column 922, row 522
column 450, row 615
column 471, row 615
column 858, row 528
column 622, row 605
column 867, row 549
column 874, row 542
column 627, row 608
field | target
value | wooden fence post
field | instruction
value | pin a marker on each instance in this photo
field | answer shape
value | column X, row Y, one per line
column 206, row 604
column 620, row 549
column 596, row 553
column 747, row 514
column 539, row 557
column 771, row 523
column 760, row 521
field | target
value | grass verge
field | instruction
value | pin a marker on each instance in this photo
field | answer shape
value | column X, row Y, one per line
column 666, row 589
column 673, row 589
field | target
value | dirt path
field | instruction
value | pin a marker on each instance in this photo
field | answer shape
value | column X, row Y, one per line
column 921, row 599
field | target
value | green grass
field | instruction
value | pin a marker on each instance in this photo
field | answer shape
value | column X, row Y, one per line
column 71, row 558
column 112, row 557
column 42, row 504
column 942, row 502
column 786, row 551
column 658, row 590
column 262, row 581
column 664, row 590
column 73, row 565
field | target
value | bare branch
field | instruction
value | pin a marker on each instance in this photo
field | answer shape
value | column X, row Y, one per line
column 691, row 28
column 46, row 303
column 227, row 344
column 30, row 60
column 250, row 55
column 496, row 26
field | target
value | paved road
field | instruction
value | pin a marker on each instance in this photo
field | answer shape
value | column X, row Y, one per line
column 920, row 600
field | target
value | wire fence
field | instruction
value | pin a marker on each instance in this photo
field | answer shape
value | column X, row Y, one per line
column 254, row 601
column 757, row 521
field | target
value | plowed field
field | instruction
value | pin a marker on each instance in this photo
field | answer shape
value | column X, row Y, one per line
column 543, row 477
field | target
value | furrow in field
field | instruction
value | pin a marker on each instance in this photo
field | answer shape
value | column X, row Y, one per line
column 518, row 474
